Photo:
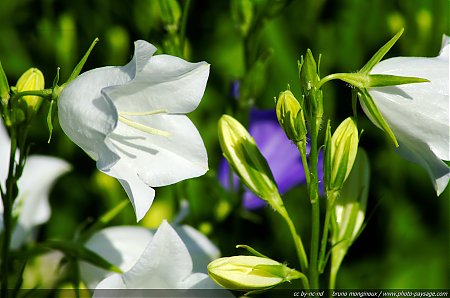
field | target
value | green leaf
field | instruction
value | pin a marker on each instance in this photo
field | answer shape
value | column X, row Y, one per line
column 104, row 220
column 380, row 53
column 375, row 114
column 251, row 250
column 378, row 80
column 78, row 251
column 80, row 64
column 50, row 116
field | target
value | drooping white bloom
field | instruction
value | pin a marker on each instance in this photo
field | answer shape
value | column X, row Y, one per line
column 131, row 120
column 171, row 258
column 31, row 205
column 418, row 114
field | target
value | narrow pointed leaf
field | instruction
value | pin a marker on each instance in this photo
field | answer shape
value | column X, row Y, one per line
column 375, row 114
column 50, row 116
column 251, row 250
column 83, row 60
column 76, row 250
column 378, row 80
column 380, row 53
column 104, row 220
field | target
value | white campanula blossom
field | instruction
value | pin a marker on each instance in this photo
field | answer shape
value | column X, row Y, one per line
column 31, row 207
column 131, row 120
column 418, row 114
column 170, row 258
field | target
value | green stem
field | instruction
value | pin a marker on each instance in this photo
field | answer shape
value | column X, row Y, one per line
column 303, row 259
column 331, row 198
column 8, row 199
column 332, row 281
column 302, row 149
column 334, row 76
column 46, row 93
column 186, row 6
column 315, row 208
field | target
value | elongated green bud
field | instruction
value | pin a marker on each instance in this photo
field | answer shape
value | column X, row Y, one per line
column 248, row 273
column 240, row 149
column 341, row 152
column 31, row 80
column 290, row 116
column 312, row 94
column 4, row 86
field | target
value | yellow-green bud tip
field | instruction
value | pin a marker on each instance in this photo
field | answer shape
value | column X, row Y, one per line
column 290, row 116
column 31, row 80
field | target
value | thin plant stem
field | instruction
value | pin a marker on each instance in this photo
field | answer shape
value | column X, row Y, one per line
column 8, row 199
column 302, row 149
column 315, row 208
column 184, row 17
column 331, row 199
column 303, row 259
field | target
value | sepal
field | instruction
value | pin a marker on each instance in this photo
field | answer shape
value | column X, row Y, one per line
column 4, row 86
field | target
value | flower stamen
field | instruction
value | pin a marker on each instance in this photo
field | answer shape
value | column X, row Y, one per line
column 142, row 127
column 147, row 113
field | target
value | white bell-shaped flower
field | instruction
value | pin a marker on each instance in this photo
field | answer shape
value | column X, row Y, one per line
column 171, row 258
column 131, row 120
column 418, row 114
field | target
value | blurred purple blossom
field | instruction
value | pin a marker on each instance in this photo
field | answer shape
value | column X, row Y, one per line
column 281, row 154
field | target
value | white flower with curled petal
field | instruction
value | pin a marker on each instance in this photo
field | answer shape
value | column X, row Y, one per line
column 171, row 258
column 31, row 206
column 131, row 120
column 418, row 114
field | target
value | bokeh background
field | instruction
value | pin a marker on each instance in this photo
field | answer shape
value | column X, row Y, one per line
column 406, row 240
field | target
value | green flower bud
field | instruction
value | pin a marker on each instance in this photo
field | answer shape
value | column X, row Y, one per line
column 4, row 86
column 250, row 273
column 312, row 94
column 340, row 154
column 290, row 116
column 31, row 80
column 240, row 149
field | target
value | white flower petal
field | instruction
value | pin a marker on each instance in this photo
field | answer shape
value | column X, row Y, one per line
column 121, row 246
column 164, row 263
column 421, row 154
column 150, row 261
column 86, row 116
column 418, row 114
column 160, row 160
column 166, row 82
column 201, row 249
column 140, row 194
column 113, row 281
column 38, row 176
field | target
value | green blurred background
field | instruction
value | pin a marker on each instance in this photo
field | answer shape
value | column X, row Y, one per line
column 406, row 241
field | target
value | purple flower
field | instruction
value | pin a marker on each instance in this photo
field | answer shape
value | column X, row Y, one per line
column 281, row 155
